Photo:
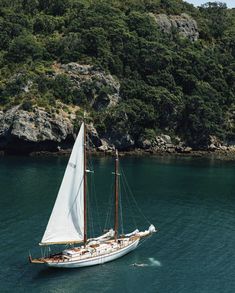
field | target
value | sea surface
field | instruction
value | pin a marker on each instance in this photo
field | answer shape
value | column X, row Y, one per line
column 191, row 201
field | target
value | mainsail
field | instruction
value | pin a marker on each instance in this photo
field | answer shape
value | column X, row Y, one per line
column 66, row 223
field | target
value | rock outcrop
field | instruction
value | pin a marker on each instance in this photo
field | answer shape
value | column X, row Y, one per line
column 103, row 88
column 164, row 143
column 37, row 130
column 22, row 131
column 29, row 129
column 184, row 24
column 216, row 144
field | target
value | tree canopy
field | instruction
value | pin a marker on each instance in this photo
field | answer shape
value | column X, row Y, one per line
column 168, row 83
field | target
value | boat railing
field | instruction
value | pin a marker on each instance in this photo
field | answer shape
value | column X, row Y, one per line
column 96, row 253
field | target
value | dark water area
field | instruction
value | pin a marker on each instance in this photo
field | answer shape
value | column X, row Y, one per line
column 191, row 201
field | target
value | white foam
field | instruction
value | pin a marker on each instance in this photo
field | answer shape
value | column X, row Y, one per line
column 154, row 262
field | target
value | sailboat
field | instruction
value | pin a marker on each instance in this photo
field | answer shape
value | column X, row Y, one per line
column 68, row 221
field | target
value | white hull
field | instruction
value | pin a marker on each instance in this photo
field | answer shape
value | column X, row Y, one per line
column 96, row 259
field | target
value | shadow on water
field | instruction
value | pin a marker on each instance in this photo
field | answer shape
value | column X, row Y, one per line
column 79, row 280
column 47, row 273
column 52, row 273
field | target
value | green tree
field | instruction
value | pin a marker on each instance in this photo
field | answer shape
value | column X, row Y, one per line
column 62, row 88
column 215, row 13
column 23, row 48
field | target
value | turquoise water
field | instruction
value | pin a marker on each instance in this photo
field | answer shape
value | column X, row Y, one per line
column 192, row 201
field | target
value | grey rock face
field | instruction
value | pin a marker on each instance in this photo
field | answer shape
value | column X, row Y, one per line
column 32, row 128
column 146, row 144
column 105, row 146
column 185, row 25
column 164, row 143
column 104, row 88
column 94, row 138
column 217, row 144
column 39, row 129
column 166, row 138
column 123, row 142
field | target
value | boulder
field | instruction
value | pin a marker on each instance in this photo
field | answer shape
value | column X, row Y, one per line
column 212, row 147
column 223, row 148
column 163, row 142
column 184, row 150
column 187, row 150
column 214, row 141
column 166, row 138
column 231, row 148
column 105, row 146
column 145, row 144
column 169, row 146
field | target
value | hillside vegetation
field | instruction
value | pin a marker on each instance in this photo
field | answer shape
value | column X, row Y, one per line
column 168, row 83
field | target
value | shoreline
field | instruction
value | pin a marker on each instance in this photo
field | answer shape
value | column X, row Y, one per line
column 215, row 155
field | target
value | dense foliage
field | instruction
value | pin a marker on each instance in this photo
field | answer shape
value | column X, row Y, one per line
column 168, row 83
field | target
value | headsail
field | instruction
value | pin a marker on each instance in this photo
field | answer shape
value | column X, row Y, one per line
column 66, row 223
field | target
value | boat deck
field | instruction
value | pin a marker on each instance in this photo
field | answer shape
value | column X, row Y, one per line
column 90, row 251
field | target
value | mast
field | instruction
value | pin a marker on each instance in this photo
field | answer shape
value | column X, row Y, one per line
column 116, row 197
column 85, row 185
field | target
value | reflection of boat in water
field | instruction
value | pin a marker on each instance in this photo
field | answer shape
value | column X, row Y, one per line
column 68, row 221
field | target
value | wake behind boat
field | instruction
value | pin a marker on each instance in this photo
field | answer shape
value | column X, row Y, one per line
column 68, row 221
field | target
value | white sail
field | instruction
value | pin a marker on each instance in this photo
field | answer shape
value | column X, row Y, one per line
column 66, row 223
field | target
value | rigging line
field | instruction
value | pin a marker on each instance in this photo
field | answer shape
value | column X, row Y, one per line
column 128, row 201
column 110, row 206
column 108, row 215
column 89, row 140
column 96, row 204
column 120, row 206
column 92, row 217
column 90, row 214
column 92, row 184
column 88, row 152
column 89, row 191
column 94, row 194
column 42, row 252
column 133, row 198
column 144, row 240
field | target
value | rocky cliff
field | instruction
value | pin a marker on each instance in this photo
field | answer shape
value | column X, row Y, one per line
column 184, row 24
column 52, row 129
column 24, row 132
column 93, row 80
column 39, row 129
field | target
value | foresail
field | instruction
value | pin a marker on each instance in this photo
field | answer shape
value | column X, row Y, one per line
column 66, row 223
